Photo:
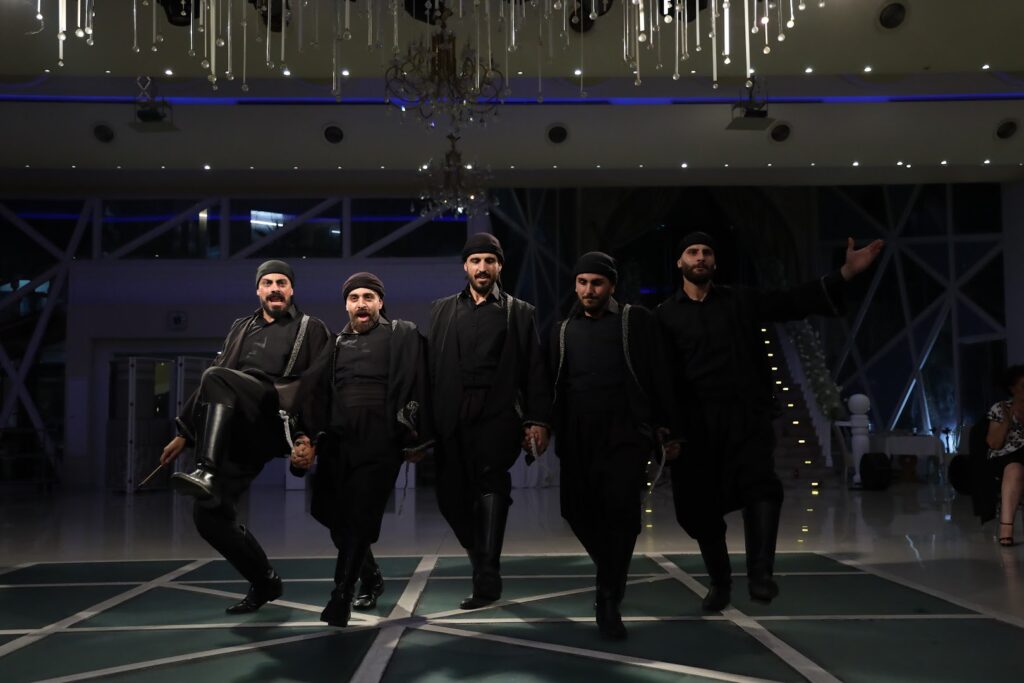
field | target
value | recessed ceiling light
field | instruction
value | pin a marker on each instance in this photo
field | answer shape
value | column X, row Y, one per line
column 769, row 164
column 988, row 161
column 944, row 162
column 812, row 163
column 809, row 70
column 856, row 163
column 252, row 168
column 899, row 163
column 908, row 165
column 727, row 165
column 985, row 67
column 74, row 166
column 46, row 71
column 693, row 71
column 554, row 166
column 206, row 167
column 107, row 71
column 519, row 73
column 168, row 72
column 295, row 168
column 119, row 168
column 381, row 167
column 598, row 166
column 339, row 168
column 286, row 71
column 345, row 72
column 641, row 165
column 578, row 72
column 162, row 168
column 28, row 166
column 867, row 69
column 684, row 165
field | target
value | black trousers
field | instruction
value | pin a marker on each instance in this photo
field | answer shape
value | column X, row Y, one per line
column 603, row 457
column 256, row 436
column 474, row 461
column 357, row 464
column 726, row 464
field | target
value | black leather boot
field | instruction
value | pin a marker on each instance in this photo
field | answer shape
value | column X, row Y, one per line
column 761, row 530
column 371, row 584
column 351, row 554
column 260, row 593
column 609, row 619
column 213, row 444
column 492, row 512
column 716, row 561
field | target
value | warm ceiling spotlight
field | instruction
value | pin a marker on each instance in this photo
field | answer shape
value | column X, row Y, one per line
column 944, row 162
column 867, row 69
column 346, row 73
column 809, row 70
column 856, row 163
column 985, row 67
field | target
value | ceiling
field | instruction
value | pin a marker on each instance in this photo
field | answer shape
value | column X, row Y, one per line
column 926, row 100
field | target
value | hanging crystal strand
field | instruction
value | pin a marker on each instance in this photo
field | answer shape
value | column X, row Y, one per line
column 565, row 22
column 230, row 73
column 461, row 11
column 395, row 49
column 90, row 12
column 476, row 17
column 335, row 81
column 369, row 23
column 638, row 35
column 39, row 10
column 213, row 44
column 347, row 33
column 284, row 32
column 62, row 29
column 135, row 25
column 746, row 37
column 583, row 93
column 684, row 28
column 490, row 53
column 625, row 31
column 675, row 34
column 270, row 38
column 714, row 44
column 316, row 23
column 726, row 55
column 245, row 51
column 781, row 31
column 696, row 26
column 191, row 33
column 512, row 30
column 540, row 70
column 153, row 32
column 79, row 31
column 792, row 16
column 203, row 16
column 765, row 22
column 641, row 25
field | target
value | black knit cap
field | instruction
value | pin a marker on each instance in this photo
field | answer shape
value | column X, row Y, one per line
column 697, row 237
column 275, row 266
column 359, row 280
column 483, row 243
column 599, row 263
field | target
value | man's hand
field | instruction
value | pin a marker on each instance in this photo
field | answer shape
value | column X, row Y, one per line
column 413, row 456
column 303, row 453
column 172, row 450
column 859, row 260
column 538, row 436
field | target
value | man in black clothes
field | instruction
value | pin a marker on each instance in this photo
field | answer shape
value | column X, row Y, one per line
column 491, row 398
column 233, row 421
column 725, row 394
column 612, row 407
column 365, row 398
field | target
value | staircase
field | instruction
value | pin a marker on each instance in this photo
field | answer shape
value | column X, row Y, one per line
column 799, row 460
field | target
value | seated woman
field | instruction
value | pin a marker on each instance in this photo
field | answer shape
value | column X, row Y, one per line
column 1006, row 449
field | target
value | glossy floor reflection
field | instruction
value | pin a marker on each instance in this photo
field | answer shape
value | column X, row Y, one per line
column 876, row 586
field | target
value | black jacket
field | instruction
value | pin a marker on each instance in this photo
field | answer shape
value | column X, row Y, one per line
column 749, row 309
column 407, row 395
column 316, row 339
column 648, row 387
column 521, row 381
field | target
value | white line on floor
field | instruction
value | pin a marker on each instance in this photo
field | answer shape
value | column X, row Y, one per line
column 41, row 633
column 882, row 574
column 80, row 584
column 8, row 570
column 597, row 654
column 372, row 668
column 803, row 664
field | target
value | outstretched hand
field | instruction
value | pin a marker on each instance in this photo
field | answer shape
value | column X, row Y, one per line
column 859, row 260
column 172, row 450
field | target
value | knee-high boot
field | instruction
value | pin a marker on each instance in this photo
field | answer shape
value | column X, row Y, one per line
column 491, row 515
column 213, row 444
column 716, row 560
column 612, row 574
column 351, row 555
column 761, row 530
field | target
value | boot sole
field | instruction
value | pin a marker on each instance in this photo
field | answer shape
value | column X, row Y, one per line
column 188, row 487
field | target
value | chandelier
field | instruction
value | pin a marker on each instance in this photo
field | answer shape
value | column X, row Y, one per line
column 233, row 38
column 454, row 186
column 437, row 82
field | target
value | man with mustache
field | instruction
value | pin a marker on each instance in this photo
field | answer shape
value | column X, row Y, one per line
column 232, row 421
column 612, row 406
column 723, row 386
column 491, row 398
column 365, row 399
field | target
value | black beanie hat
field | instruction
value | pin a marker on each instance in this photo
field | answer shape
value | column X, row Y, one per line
column 697, row 237
column 359, row 280
column 275, row 266
column 599, row 263
column 483, row 243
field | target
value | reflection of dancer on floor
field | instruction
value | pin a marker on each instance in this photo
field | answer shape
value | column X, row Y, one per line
column 611, row 398
column 367, row 393
column 1005, row 441
column 491, row 398
column 232, row 420
column 725, row 393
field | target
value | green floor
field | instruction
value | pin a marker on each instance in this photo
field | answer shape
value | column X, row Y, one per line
column 154, row 621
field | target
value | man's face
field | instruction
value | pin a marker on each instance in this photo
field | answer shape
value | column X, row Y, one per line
column 697, row 263
column 275, row 293
column 593, row 291
column 363, row 306
column 302, row 446
column 482, row 271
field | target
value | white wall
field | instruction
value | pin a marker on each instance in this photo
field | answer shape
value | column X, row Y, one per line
column 122, row 307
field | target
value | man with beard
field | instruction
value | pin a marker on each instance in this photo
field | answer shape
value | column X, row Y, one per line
column 233, row 422
column 612, row 406
column 365, row 398
column 491, row 398
column 725, row 393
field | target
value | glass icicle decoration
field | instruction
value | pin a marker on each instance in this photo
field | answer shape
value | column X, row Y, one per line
column 792, row 16
column 696, row 24
column 245, row 51
column 79, row 30
column 230, row 73
column 153, row 47
column 746, row 37
column 212, row 77
column 284, row 35
column 726, row 53
column 135, row 25
column 62, row 29
column 714, row 44
column 765, row 23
